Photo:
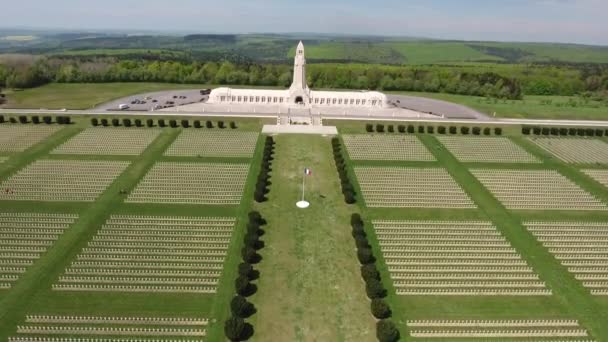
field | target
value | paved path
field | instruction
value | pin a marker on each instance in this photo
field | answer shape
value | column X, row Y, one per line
column 587, row 123
column 299, row 129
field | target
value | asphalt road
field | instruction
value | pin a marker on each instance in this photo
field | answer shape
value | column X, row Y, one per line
column 437, row 107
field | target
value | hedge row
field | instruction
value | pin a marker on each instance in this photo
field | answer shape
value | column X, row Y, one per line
column 386, row 331
column 35, row 119
column 464, row 130
column 235, row 327
column 262, row 185
column 127, row 122
column 564, row 131
column 347, row 187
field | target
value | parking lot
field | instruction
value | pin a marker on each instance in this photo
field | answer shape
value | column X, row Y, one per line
column 156, row 100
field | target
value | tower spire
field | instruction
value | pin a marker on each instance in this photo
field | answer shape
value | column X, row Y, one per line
column 299, row 69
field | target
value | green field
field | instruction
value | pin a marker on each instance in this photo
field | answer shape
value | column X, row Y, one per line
column 438, row 52
column 531, row 107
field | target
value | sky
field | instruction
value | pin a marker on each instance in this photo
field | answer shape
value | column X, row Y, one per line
column 571, row 21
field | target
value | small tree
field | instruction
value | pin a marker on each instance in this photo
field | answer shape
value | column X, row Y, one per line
column 12, row 120
column 23, row 119
column 369, row 271
column 488, row 131
column 536, row 130
column 476, row 131
column 245, row 269
column 380, row 309
column 369, row 128
column 115, row 122
column 441, row 130
column 453, row 130
column 234, row 327
column 94, row 122
column 599, row 133
column 209, row 124
column 380, row 128
column 185, row 123
column 525, row 130
column 36, row 119
column 365, row 256
column 589, row 132
column 104, row 122
column 1, row 118
column 554, row 131
column 386, row 331
column 242, row 286
column 411, row 129
column 391, row 129
column 374, row 289
column 138, row 123
column 421, row 129
column 563, row 131
column 232, row 125
column 126, row 122
column 349, row 197
column 173, row 123
column 197, row 124
column 161, row 123
column 401, row 128
column 150, row 123
column 240, row 307
column 545, row 131
column 464, row 130
column 47, row 120
column 221, row 124
column 249, row 255
column 430, row 129
column 497, row 131
column 572, row 131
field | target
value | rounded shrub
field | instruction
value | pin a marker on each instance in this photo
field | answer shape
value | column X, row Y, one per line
column 369, row 271
column 380, row 309
column 365, row 256
column 240, row 307
column 386, row 331
column 245, row 269
column 374, row 289
column 234, row 328
column 242, row 285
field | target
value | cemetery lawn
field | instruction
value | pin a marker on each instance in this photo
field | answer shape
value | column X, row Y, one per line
column 310, row 288
column 569, row 300
column 32, row 294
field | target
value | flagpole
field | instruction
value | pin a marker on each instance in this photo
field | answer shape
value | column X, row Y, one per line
column 303, row 180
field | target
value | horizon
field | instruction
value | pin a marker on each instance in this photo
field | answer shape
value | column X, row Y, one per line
column 294, row 35
column 538, row 21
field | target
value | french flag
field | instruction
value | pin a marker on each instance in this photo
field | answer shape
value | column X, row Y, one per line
column 307, row 171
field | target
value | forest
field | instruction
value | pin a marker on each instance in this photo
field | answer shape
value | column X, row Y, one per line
column 503, row 81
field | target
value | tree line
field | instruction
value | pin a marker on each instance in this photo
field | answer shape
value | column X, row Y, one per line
column 488, row 80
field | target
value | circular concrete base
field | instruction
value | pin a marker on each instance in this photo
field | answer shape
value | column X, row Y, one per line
column 302, row 204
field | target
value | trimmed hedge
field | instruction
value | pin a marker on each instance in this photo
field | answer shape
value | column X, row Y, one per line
column 348, row 190
column 261, row 187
